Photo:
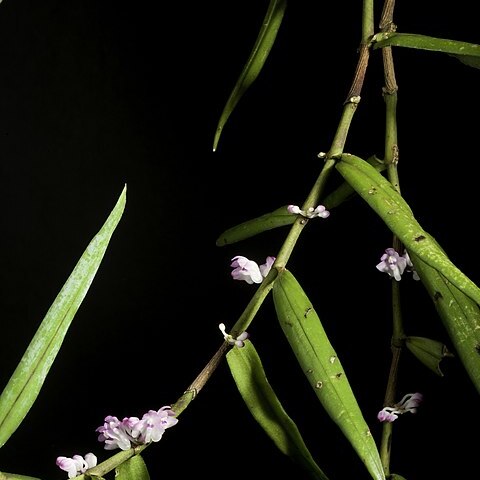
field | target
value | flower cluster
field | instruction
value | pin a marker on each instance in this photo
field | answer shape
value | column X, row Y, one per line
column 249, row 271
column 320, row 211
column 239, row 341
column 134, row 431
column 395, row 264
column 408, row 403
column 77, row 464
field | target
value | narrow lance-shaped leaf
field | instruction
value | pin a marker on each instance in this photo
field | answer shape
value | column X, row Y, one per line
column 14, row 476
column 467, row 53
column 469, row 60
column 459, row 314
column 133, row 469
column 260, row 398
column 345, row 191
column 380, row 195
column 24, row 386
column 250, row 228
column 323, row 369
column 259, row 54
column 282, row 217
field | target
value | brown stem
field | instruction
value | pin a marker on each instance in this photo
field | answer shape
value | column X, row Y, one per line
column 386, row 20
column 386, row 441
column 360, row 71
column 391, row 86
column 387, row 25
column 191, row 392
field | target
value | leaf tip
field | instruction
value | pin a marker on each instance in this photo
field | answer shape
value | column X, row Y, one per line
column 216, row 138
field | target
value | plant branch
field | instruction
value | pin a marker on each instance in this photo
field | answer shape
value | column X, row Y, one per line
column 336, row 149
column 391, row 158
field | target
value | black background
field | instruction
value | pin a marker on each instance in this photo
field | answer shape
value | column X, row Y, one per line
column 96, row 94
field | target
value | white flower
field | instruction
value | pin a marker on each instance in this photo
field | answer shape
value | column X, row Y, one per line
column 267, row 266
column 132, row 430
column 153, row 424
column 77, row 464
column 294, row 209
column 408, row 403
column 249, row 271
column 392, row 263
column 395, row 264
column 239, row 341
column 116, row 433
column 319, row 211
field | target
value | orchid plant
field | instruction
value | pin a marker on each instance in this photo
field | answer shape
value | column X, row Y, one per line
column 412, row 252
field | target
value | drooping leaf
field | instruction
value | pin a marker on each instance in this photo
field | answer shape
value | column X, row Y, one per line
column 133, row 469
column 24, row 385
column 469, row 60
column 459, row 314
column 260, row 398
column 380, row 195
column 467, row 53
column 323, row 369
column 430, row 352
column 256, row 60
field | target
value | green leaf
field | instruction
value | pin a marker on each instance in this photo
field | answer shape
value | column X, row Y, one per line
column 133, row 469
column 380, row 195
column 24, row 386
column 323, row 369
column 345, row 191
column 268, row 221
column 281, row 217
column 259, row 54
column 468, row 53
column 249, row 375
column 459, row 314
column 469, row 60
column 14, row 476
column 395, row 476
column 429, row 352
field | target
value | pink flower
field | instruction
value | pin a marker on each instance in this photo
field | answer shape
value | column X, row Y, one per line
column 392, row 263
column 153, row 424
column 133, row 431
column 267, row 266
column 409, row 403
column 395, row 264
column 77, row 464
column 249, row 271
column 319, row 211
column 116, row 433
